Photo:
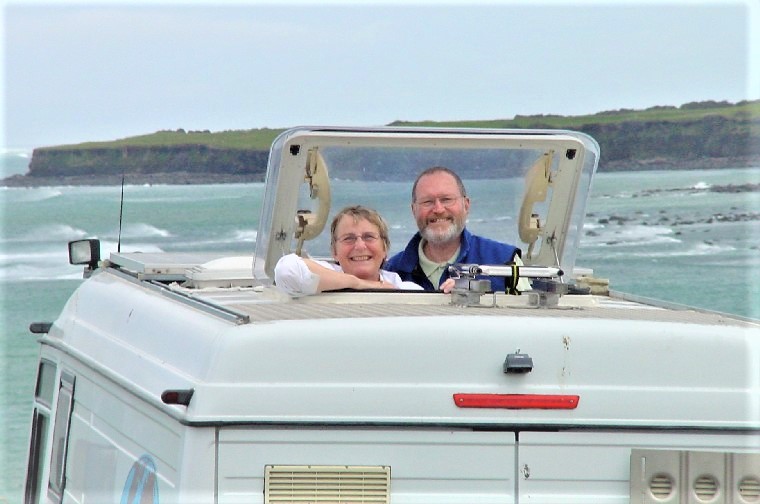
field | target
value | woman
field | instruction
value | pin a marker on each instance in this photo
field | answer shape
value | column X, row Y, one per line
column 359, row 242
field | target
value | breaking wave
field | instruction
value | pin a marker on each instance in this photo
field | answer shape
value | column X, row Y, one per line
column 30, row 195
column 143, row 230
column 698, row 249
column 637, row 235
column 245, row 235
column 48, row 233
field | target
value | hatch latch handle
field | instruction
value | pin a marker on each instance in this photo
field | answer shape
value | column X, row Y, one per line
column 310, row 224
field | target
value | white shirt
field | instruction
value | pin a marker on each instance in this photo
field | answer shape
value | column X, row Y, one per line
column 292, row 276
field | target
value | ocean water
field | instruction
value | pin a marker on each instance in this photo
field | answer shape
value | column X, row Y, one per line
column 669, row 235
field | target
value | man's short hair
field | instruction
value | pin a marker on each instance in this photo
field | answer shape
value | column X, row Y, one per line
column 439, row 169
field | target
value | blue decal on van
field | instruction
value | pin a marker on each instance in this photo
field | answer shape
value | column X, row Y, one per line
column 141, row 486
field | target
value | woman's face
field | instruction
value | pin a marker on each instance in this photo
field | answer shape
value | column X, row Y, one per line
column 359, row 248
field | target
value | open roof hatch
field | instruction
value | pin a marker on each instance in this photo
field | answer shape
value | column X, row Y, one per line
column 528, row 187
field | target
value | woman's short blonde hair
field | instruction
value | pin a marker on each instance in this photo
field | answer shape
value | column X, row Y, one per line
column 358, row 212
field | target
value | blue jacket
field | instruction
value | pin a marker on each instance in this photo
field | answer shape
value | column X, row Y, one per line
column 473, row 250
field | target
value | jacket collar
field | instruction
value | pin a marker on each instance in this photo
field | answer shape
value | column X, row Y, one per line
column 411, row 258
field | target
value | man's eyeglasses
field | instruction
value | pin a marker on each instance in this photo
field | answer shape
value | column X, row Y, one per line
column 350, row 239
column 446, row 201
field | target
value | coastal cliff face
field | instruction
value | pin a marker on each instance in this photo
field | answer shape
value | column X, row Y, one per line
column 637, row 145
column 143, row 161
column 715, row 135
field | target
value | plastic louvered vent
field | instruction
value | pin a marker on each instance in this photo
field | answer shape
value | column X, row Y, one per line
column 327, row 484
column 706, row 488
column 749, row 489
column 661, row 486
column 658, row 476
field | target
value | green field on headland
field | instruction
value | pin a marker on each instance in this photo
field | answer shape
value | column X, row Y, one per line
column 679, row 117
column 256, row 139
column 700, row 134
column 685, row 113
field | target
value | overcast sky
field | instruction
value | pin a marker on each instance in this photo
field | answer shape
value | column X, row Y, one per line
column 103, row 70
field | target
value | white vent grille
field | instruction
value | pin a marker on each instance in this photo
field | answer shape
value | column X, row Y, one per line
column 749, row 489
column 659, row 476
column 661, row 486
column 706, row 488
column 286, row 484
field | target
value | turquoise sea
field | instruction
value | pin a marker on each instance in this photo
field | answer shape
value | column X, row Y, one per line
column 682, row 236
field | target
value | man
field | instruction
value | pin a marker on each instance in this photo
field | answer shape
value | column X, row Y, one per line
column 440, row 206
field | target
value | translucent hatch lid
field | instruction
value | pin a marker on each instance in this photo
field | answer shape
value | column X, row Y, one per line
column 527, row 187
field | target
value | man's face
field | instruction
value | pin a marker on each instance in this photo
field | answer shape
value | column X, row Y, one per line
column 439, row 208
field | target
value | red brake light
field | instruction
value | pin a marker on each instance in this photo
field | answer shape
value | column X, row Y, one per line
column 517, row 401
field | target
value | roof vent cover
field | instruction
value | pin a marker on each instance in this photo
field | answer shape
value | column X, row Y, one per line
column 661, row 486
column 706, row 488
column 749, row 489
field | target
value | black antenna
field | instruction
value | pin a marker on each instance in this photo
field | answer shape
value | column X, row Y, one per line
column 121, row 212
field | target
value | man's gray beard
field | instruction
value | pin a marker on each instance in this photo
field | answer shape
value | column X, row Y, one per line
column 450, row 234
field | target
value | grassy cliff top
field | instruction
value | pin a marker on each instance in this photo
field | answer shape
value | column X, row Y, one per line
column 746, row 110
column 255, row 139
column 261, row 139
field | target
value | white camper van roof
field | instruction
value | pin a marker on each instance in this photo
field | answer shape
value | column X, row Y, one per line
column 214, row 329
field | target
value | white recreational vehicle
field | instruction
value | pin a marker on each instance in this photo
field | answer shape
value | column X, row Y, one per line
column 190, row 378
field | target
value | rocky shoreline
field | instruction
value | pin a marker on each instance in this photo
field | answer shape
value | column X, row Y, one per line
column 196, row 178
column 661, row 163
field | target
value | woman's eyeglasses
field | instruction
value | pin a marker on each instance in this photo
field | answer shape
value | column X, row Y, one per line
column 351, row 239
